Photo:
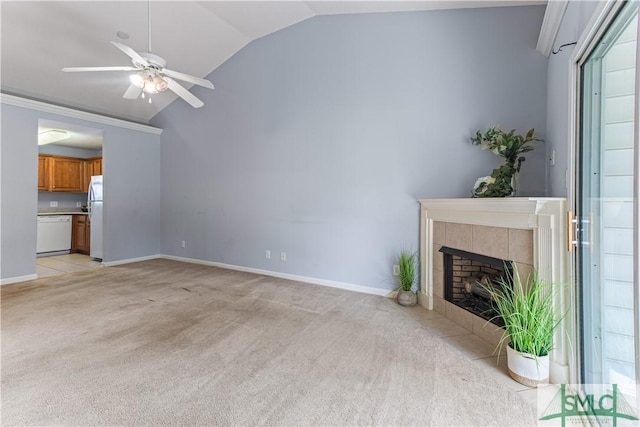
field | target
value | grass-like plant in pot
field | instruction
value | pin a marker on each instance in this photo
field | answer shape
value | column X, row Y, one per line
column 530, row 319
column 407, row 275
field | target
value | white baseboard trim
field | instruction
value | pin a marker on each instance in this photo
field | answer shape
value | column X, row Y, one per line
column 130, row 260
column 306, row 279
column 18, row 279
column 312, row 280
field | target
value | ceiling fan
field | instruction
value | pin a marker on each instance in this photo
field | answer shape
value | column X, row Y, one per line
column 150, row 74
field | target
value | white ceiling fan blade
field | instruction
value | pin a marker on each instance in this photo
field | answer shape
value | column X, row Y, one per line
column 81, row 69
column 131, row 53
column 187, row 78
column 133, row 92
column 183, row 93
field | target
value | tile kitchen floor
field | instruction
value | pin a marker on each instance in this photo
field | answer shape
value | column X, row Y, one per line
column 62, row 264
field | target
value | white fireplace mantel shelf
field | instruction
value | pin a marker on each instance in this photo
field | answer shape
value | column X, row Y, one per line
column 545, row 217
column 512, row 212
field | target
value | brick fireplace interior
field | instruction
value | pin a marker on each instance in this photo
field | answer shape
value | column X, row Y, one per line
column 469, row 276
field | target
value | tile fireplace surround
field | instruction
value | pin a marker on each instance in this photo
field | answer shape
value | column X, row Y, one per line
column 529, row 231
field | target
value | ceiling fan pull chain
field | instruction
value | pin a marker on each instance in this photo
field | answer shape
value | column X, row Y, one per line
column 149, row 23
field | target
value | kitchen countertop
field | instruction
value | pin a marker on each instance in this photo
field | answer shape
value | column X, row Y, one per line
column 63, row 213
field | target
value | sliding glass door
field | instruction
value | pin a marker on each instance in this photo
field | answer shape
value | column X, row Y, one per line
column 607, row 177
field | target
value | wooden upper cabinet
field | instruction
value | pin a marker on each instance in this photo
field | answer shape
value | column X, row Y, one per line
column 96, row 166
column 67, row 174
column 92, row 167
column 43, row 173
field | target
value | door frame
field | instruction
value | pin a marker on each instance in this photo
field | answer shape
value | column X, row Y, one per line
column 604, row 13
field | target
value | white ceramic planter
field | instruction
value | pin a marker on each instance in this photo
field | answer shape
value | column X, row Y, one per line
column 528, row 369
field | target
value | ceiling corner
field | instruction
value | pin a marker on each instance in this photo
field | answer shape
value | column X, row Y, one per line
column 551, row 25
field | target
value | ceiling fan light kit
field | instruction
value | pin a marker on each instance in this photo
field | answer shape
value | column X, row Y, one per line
column 148, row 82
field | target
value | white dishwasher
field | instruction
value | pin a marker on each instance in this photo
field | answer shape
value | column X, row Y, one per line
column 54, row 233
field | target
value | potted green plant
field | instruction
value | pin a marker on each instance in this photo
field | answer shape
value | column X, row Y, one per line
column 511, row 146
column 407, row 275
column 530, row 321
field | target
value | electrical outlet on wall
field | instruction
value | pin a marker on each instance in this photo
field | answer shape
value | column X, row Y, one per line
column 267, row 254
column 53, row 204
column 396, row 269
column 78, row 204
column 183, row 244
column 283, row 256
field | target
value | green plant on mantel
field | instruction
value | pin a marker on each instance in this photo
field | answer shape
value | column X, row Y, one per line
column 509, row 145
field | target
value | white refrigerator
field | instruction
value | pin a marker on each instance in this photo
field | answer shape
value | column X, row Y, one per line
column 96, row 206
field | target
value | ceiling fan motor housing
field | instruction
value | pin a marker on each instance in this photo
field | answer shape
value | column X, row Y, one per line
column 153, row 61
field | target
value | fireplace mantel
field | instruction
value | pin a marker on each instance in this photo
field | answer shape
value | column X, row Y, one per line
column 544, row 217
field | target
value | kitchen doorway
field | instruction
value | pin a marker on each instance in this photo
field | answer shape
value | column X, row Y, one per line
column 69, row 235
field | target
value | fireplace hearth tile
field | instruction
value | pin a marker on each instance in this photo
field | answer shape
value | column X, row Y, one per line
column 459, row 315
column 487, row 331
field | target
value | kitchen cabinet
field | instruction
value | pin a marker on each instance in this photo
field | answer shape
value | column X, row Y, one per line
column 66, row 174
column 92, row 167
column 96, row 166
column 43, row 173
column 81, row 234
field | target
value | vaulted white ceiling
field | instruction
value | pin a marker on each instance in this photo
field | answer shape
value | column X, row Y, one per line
column 39, row 38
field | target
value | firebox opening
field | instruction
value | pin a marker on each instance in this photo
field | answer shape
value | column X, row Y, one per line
column 466, row 274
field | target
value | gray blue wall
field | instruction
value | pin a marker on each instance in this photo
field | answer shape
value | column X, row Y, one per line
column 132, row 190
column 18, row 192
column 320, row 138
column 574, row 21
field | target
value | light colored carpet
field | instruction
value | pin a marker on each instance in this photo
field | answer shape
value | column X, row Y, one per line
column 163, row 342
